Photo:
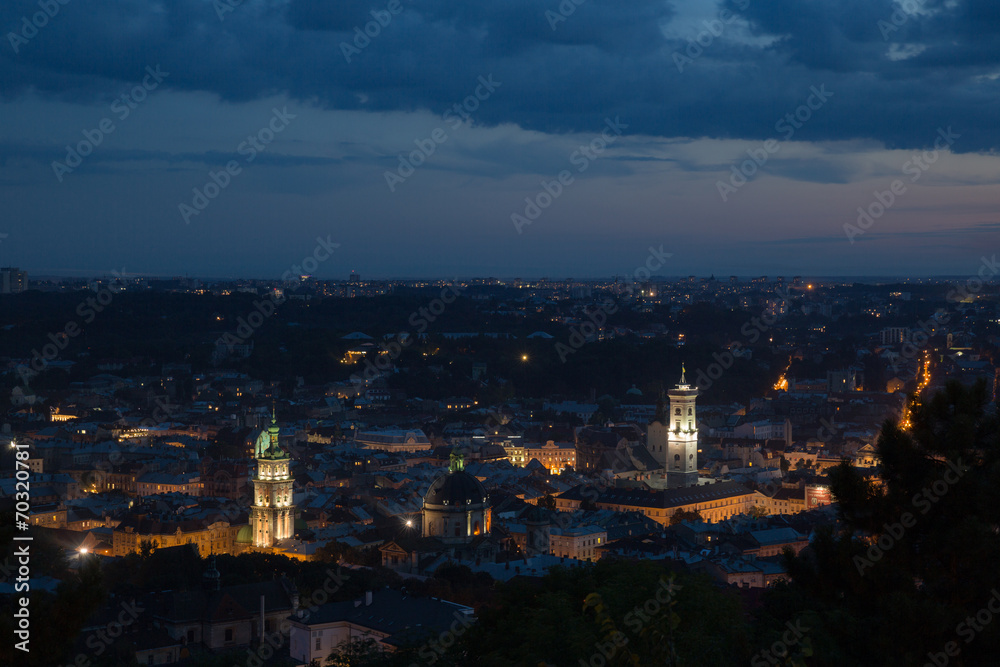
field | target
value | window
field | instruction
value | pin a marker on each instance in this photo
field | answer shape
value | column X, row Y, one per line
column 319, row 643
column 229, row 634
column 677, row 411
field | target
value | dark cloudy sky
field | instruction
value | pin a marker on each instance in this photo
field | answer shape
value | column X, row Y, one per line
column 693, row 93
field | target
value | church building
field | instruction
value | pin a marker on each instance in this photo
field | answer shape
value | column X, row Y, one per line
column 455, row 525
column 272, row 515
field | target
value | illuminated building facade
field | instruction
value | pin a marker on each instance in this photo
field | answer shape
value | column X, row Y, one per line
column 456, row 508
column 555, row 456
column 672, row 437
column 272, row 516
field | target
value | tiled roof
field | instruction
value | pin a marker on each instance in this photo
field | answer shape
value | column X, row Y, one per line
column 390, row 612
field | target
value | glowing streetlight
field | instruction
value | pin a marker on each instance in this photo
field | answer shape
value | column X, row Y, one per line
column 524, row 357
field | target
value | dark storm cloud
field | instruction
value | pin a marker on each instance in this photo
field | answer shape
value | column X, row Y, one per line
column 606, row 59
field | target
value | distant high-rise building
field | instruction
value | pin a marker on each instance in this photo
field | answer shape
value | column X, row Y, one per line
column 355, row 277
column 13, row 280
column 894, row 335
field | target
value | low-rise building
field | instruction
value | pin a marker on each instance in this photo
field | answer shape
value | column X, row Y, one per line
column 210, row 535
column 154, row 483
column 396, row 440
column 578, row 542
column 555, row 456
column 389, row 617
column 715, row 502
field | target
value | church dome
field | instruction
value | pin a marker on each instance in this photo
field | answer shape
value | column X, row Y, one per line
column 245, row 535
column 535, row 514
column 457, row 488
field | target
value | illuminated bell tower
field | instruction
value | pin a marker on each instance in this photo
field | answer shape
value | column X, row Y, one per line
column 272, row 516
column 682, row 436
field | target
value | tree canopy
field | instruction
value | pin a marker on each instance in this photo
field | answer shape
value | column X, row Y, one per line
column 907, row 576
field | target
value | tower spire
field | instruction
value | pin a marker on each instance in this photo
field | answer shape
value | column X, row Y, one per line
column 661, row 408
